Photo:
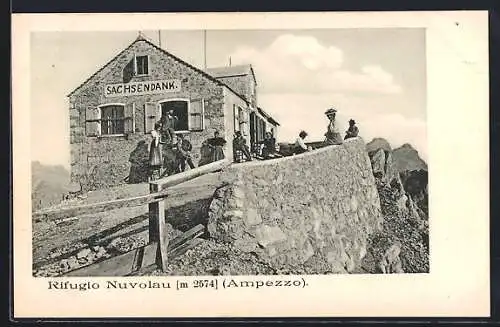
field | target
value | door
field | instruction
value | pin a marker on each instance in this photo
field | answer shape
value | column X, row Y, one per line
column 253, row 130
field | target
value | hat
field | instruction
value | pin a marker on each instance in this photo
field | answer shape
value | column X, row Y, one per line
column 352, row 121
column 330, row 111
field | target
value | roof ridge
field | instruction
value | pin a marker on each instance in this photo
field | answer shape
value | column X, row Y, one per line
column 138, row 39
column 248, row 66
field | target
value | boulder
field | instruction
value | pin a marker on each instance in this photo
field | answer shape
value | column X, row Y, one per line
column 83, row 253
column 267, row 235
column 391, row 263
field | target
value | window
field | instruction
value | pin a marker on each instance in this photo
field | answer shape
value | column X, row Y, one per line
column 261, row 129
column 112, row 120
column 142, row 65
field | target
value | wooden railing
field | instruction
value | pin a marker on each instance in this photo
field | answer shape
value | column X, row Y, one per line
column 156, row 253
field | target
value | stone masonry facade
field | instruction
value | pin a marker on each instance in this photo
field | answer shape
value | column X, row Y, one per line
column 102, row 161
column 244, row 85
column 315, row 210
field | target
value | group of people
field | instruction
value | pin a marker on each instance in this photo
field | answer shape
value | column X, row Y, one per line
column 332, row 135
column 168, row 152
column 267, row 149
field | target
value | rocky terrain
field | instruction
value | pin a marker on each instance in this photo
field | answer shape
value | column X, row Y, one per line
column 401, row 246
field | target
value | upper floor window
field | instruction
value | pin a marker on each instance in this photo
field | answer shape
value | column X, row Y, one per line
column 142, row 65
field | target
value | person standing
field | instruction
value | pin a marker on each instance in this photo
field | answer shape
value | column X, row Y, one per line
column 352, row 131
column 239, row 143
column 332, row 134
column 169, row 121
column 155, row 153
column 184, row 148
column 205, row 154
column 217, row 144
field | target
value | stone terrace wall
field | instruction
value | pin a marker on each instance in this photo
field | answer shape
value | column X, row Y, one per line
column 312, row 211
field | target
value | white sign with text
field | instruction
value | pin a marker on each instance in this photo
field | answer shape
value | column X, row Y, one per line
column 140, row 88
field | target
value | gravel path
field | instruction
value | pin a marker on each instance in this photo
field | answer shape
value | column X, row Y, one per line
column 91, row 237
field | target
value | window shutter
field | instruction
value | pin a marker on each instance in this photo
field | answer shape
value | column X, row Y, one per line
column 196, row 115
column 150, row 116
column 242, row 116
column 92, row 121
column 134, row 70
column 129, row 115
column 236, row 118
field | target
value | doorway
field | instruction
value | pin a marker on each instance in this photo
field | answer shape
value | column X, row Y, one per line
column 179, row 109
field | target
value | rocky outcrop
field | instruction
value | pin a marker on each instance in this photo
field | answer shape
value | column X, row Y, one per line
column 403, row 243
column 310, row 213
column 378, row 143
column 415, row 183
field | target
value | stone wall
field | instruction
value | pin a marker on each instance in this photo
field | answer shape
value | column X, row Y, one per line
column 313, row 211
column 104, row 161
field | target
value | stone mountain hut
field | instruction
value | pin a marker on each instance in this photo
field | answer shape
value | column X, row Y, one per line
column 114, row 111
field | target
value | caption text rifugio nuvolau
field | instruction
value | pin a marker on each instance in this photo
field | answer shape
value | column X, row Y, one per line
column 179, row 284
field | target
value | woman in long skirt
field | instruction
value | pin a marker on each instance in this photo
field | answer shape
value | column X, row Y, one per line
column 333, row 133
column 205, row 154
column 155, row 155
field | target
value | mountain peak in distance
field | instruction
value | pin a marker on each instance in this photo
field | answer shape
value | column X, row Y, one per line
column 407, row 158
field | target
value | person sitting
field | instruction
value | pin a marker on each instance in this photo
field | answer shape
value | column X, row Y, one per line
column 240, row 144
column 300, row 145
column 184, row 148
column 352, row 131
column 217, row 144
column 269, row 149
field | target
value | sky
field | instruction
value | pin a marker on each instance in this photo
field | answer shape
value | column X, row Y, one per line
column 376, row 76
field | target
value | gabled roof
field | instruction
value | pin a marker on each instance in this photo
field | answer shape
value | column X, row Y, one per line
column 231, row 71
column 141, row 38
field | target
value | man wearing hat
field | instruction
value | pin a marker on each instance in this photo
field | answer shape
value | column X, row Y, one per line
column 332, row 134
column 352, row 131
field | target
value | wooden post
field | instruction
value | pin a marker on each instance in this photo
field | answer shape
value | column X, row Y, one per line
column 157, row 229
column 153, row 218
